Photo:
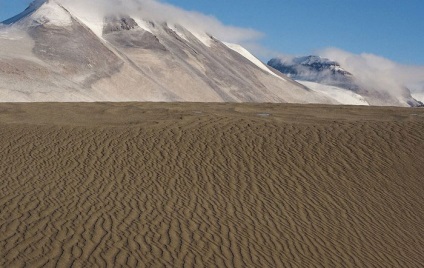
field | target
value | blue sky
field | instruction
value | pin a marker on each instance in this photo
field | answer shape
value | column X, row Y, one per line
column 389, row 28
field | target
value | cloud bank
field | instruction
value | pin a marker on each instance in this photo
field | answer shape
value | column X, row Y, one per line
column 380, row 73
column 95, row 10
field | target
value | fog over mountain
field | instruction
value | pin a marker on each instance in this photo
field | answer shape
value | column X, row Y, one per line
column 381, row 74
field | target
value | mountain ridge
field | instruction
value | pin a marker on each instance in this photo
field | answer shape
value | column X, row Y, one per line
column 61, row 58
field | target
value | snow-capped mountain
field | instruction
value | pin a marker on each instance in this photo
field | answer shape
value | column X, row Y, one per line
column 329, row 78
column 55, row 52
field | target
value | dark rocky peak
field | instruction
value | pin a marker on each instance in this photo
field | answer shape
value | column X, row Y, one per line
column 118, row 23
column 308, row 65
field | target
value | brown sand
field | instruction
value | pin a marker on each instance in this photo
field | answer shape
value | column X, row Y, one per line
column 192, row 185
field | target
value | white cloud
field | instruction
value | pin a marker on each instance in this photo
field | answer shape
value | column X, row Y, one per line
column 158, row 11
column 379, row 73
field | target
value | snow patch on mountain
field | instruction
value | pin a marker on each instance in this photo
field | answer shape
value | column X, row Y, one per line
column 343, row 96
column 90, row 19
column 52, row 14
column 245, row 53
column 143, row 25
column 176, row 29
column 203, row 37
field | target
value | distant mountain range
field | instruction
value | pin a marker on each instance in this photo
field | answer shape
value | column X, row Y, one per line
column 51, row 52
column 328, row 77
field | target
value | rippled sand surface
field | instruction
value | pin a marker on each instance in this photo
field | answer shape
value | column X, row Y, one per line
column 210, row 185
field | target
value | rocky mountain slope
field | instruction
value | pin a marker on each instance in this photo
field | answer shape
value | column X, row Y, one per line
column 53, row 53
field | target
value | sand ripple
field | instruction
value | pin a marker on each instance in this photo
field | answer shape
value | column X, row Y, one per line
column 163, row 186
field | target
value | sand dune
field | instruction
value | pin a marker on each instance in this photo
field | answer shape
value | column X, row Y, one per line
column 210, row 185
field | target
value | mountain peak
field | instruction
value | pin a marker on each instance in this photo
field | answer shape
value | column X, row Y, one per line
column 307, row 65
column 315, row 69
column 42, row 12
